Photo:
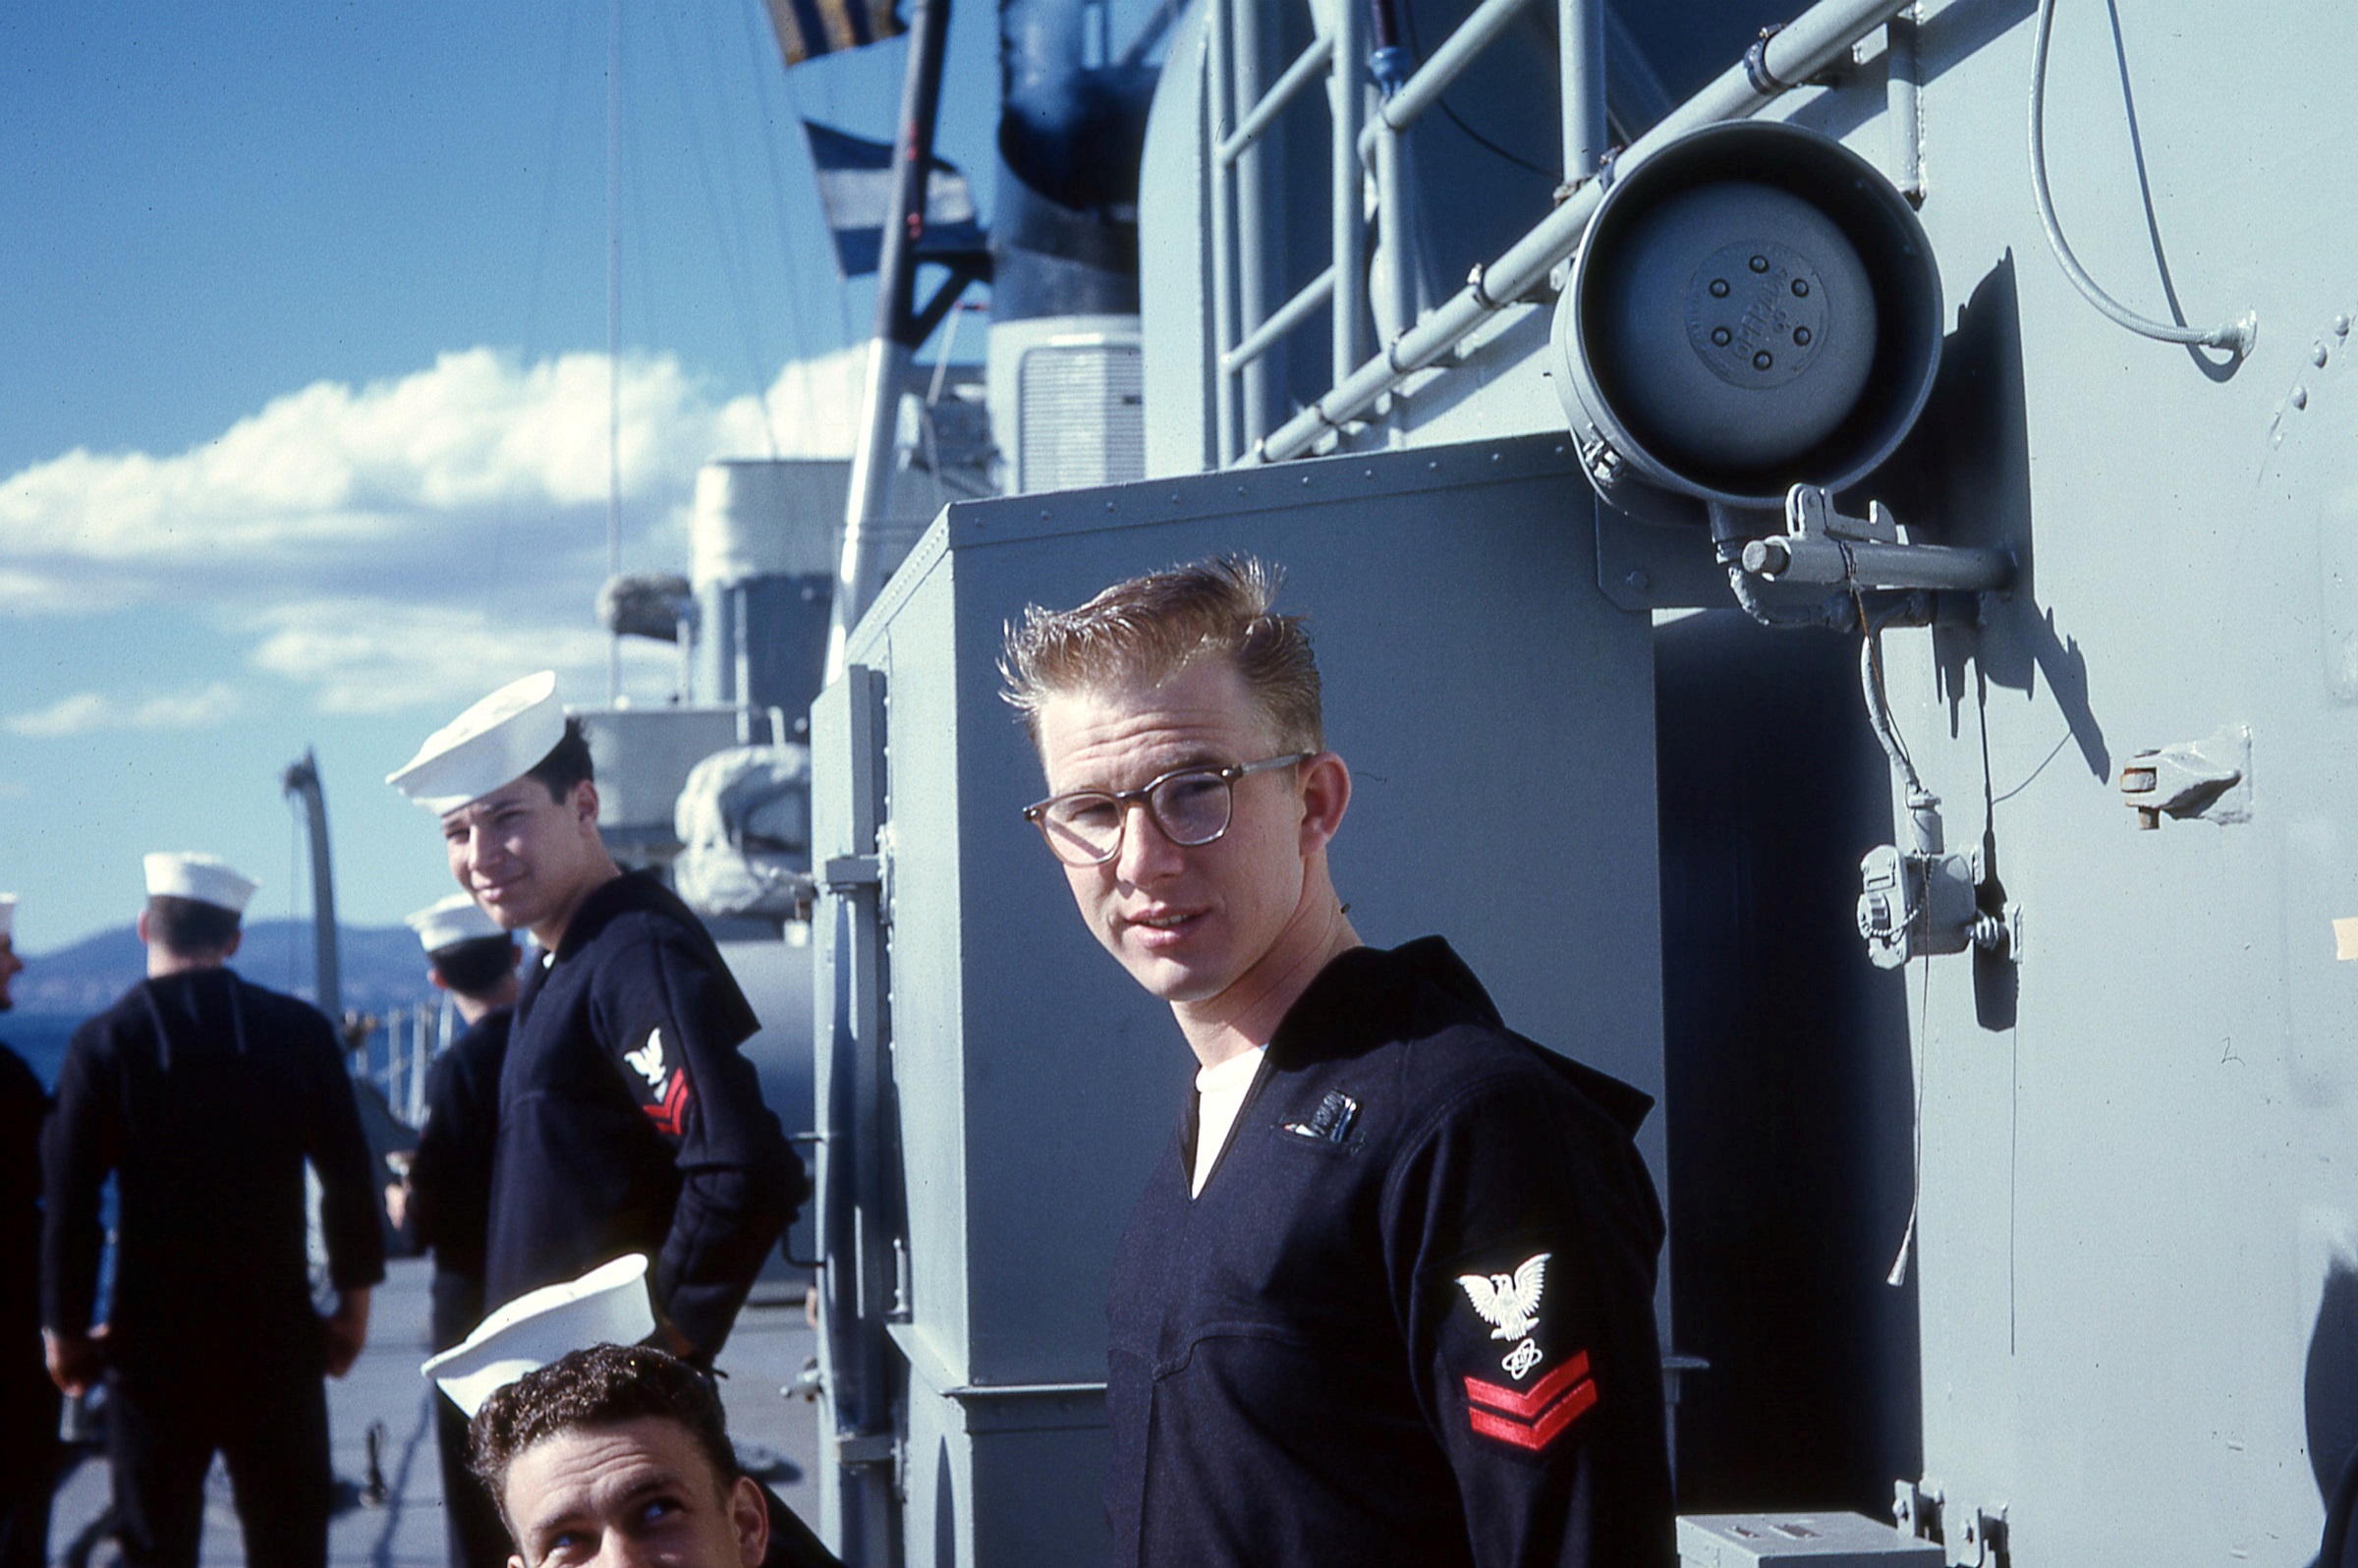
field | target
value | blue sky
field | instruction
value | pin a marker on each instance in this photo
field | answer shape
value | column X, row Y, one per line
column 303, row 426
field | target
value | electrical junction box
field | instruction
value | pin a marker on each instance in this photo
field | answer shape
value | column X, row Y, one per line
column 1822, row 1541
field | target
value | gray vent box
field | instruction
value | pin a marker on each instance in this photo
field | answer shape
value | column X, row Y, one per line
column 1822, row 1541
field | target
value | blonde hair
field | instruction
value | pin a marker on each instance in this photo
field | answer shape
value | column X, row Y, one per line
column 1150, row 628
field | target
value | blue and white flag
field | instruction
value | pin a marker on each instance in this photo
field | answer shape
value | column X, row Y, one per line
column 855, row 186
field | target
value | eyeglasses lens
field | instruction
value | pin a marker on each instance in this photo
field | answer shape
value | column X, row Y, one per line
column 1190, row 809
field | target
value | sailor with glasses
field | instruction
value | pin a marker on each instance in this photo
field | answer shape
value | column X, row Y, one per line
column 1390, row 1295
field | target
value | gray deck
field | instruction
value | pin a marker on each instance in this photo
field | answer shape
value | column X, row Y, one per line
column 770, row 1346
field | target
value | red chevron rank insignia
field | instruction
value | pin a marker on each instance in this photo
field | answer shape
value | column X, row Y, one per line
column 1534, row 1417
column 671, row 1113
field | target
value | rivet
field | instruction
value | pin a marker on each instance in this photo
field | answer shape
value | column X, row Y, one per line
column 2341, row 326
column 1719, row 288
column 1801, row 335
column 1762, row 361
column 1721, row 337
column 2300, row 397
column 1109, row 506
column 1043, row 515
column 1801, row 288
column 2317, row 354
column 1758, row 263
column 1638, row 582
column 1306, row 481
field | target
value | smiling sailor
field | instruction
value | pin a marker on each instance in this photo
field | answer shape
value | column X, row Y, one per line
column 1390, row 1295
column 203, row 1095
column 629, row 1120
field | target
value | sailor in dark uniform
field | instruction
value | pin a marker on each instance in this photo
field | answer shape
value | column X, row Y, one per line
column 447, row 1195
column 28, row 1398
column 1390, row 1296
column 203, row 1095
column 629, row 1120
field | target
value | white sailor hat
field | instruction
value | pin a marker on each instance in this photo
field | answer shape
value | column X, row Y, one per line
column 206, row 879
column 496, row 742
column 8, row 915
column 448, row 921
column 607, row 1305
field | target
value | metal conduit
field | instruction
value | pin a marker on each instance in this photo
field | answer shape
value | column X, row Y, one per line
column 1311, row 62
column 1291, row 315
column 1423, row 90
column 1771, row 68
column 1347, row 91
column 1219, row 86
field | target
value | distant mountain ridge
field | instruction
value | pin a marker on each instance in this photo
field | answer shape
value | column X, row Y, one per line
column 383, row 968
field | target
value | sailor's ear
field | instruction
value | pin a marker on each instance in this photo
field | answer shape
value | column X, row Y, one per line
column 749, row 1515
column 1325, row 797
column 583, row 804
column 236, row 939
column 145, row 939
column 435, row 976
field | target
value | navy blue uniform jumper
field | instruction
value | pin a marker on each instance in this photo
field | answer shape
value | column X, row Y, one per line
column 450, row 1212
column 28, row 1398
column 1410, row 1319
column 629, row 1121
column 204, row 1095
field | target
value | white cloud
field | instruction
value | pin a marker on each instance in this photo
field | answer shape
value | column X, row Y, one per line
column 402, row 542
column 87, row 712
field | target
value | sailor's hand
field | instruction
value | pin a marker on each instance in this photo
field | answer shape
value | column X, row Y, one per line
column 397, row 1203
column 346, row 1330
column 77, row 1362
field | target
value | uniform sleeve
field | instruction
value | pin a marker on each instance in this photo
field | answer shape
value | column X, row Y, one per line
column 673, row 1026
column 80, row 1145
column 1522, row 1234
column 436, row 1161
column 339, row 1151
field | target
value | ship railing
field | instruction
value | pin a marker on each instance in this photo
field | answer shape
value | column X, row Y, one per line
column 1367, row 129
column 413, row 1037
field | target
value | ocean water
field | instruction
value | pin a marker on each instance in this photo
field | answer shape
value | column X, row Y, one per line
column 40, row 1039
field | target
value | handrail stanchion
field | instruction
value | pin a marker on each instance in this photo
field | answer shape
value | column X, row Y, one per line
column 1219, row 87
column 1245, row 55
column 1580, row 23
column 1347, row 92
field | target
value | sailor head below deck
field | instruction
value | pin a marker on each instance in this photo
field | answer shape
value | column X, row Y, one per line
column 1191, row 798
column 511, row 782
column 195, row 903
column 618, row 1455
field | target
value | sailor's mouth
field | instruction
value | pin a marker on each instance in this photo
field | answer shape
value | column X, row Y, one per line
column 1163, row 927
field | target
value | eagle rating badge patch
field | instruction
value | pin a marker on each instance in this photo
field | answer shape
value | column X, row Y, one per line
column 1533, row 1408
column 665, row 1097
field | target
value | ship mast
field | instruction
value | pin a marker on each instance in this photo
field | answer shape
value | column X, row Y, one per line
column 303, row 778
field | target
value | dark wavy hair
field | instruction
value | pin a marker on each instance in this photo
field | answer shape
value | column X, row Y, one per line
column 604, row 1386
column 566, row 765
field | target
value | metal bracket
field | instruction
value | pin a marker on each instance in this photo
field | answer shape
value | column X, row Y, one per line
column 1984, row 1537
column 845, row 874
column 1820, row 545
column 2208, row 778
column 864, row 1448
column 1916, row 1507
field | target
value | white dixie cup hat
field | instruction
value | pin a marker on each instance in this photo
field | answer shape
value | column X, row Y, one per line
column 494, row 742
column 607, row 1305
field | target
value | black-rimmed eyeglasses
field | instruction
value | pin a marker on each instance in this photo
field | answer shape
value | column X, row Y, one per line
column 1191, row 807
